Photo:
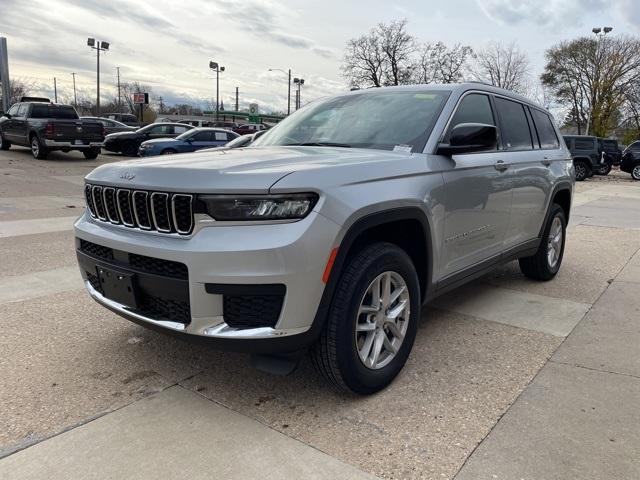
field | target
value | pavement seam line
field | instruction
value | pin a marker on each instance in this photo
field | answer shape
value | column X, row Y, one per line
column 592, row 369
column 271, row 428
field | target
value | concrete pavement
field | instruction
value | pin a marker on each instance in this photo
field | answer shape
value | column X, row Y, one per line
column 77, row 380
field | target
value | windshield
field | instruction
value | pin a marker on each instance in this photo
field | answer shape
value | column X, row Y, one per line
column 187, row 134
column 383, row 119
column 241, row 140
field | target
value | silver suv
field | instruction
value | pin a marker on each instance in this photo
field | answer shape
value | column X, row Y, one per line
column 331, row 231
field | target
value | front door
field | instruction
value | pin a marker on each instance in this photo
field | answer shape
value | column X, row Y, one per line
column 477, row 196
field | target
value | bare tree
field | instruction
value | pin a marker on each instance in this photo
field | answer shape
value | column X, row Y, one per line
column 383, row 56
column 504, row 66
column 438, row 63
column 18, row 88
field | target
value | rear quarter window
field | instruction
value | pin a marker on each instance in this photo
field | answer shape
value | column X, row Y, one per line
column 544, row 127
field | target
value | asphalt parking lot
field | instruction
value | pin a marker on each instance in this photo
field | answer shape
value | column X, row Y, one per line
column 508, row 378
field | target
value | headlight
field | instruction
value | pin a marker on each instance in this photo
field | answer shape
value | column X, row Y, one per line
column 263, row 207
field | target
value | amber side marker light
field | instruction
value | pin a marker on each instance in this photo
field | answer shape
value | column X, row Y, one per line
column 327, row 269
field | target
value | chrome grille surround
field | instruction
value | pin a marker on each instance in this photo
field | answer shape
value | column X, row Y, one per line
column 160, row 212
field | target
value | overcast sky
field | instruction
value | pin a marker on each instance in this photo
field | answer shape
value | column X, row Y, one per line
column 167, row 44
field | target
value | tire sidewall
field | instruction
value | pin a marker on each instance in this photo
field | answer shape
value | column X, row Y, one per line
column 358, row 377
column 635, row 172
column 582, row 168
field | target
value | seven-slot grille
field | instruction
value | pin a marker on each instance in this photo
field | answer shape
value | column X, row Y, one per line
column 156, row 211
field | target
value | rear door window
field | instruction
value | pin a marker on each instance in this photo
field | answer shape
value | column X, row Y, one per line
column 546, row 132
column 516, row 134
column 53, row 111
column 584, row 144
column 201, row 137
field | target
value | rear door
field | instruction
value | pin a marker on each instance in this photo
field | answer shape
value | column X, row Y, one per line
column 477, row 195
column 200, row 140
column 21, row 126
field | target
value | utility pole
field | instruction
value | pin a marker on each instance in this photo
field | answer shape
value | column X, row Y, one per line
column 75, row 97
column 55, row 90
column 119, row 98
column 215, row 66
column 237, row 99
column 289, row 95
column 161, row 105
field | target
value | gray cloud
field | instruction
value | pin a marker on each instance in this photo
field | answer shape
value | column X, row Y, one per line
column 122, row 10
column 549, row 13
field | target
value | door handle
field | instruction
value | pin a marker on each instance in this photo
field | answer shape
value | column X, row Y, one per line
column 500, row 165
column 546, row 162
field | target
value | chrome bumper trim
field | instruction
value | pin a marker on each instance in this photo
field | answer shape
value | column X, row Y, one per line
column 53, row 143
column 216, row 329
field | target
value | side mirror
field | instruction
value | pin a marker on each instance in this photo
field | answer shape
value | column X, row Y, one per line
column 189, row 140
column 470, row 137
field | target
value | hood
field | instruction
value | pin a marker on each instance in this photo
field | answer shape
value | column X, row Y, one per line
column 245, row 170
column 124, row 134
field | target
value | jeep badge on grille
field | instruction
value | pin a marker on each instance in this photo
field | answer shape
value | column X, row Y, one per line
column 128, row 176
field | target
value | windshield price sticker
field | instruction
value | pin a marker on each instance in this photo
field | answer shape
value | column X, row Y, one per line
column 403, row 148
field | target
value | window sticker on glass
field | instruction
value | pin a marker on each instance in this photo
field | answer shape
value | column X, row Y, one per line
column 403, row 148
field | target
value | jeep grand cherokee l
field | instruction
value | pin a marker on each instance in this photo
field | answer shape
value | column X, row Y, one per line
column 334, row 228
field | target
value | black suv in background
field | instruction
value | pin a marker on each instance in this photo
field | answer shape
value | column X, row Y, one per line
column 631, row 160
column 586, row 155
column 45, row 127
column 611, row 152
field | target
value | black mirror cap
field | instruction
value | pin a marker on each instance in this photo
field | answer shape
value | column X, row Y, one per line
column 470, row 137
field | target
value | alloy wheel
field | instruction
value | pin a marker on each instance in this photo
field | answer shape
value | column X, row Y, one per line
column 635, row 173
column 554, row 242
column 35, row 146
column 382, row 320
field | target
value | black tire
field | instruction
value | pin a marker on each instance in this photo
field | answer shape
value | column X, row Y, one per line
column 91, row 154
column 130, row 149
column 604, row 169
column 582, row 170
column 4, row 144
column 168, row 151
column 635, row 172
column 38, row 150
column 538, row 266
column 335, row 355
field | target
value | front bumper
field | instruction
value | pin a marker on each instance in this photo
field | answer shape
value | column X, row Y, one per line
column 291, row 254
column 71, row 145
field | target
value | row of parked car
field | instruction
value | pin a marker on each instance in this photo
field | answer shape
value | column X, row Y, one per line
column 596, row 156
column 45, row 127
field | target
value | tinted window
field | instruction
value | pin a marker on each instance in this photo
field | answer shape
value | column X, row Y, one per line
column 567, row 140
column 161, row 130
column 544, row 127
column 201, row 137
column 53, row 111
column 22, row 111
column 474, row 108
column 515, row 128
column 634, row 146
column 13, row 110
column 584, row 144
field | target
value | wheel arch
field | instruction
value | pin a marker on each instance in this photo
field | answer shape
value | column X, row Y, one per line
column 378, row 226
column 562, row 195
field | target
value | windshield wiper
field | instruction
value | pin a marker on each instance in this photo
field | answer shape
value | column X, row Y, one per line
column 318, row 144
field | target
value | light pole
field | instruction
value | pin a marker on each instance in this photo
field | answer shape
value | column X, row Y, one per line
column 299, row 82
column 75, row 97
column 600, row 33
column 215, row 66
column 98, row 47
column 288, row 73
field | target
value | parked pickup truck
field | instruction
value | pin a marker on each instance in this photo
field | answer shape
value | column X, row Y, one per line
column 46, row 127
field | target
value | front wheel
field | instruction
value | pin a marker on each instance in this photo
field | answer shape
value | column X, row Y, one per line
column 547, row 260
column 604, row 169
column 38, row 150
column 168, row 151
column 582, row 171
column 635, row 173
column 372, row 321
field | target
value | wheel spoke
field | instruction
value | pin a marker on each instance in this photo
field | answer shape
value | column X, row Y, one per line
column 395, row 331
column 365, row 327
column 397, row 310
column 375, row 292
column 386, row 290
column 377, row 347
column 365, row 351
column 388, row 345
column 396, row 294
column 368, row 309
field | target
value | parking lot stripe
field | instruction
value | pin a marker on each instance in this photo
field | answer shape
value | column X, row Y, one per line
column 553, row 316
column 39, row 284
column 15, row 228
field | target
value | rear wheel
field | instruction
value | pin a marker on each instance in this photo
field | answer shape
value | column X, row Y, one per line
column 372, row 321
column 91, row 154
column 635, row 173
column 38, row 150
column 4, row 145
column 582, row 171
column 604, row 169
column 547, row 260
column 168, row 151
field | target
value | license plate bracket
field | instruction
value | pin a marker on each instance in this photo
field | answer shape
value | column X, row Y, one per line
column 118, row 285
column 78, row 142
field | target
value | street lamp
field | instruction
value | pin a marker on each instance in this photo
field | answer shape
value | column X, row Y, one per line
column 214, row 66
column 600, row 33
column 98, row 47
column 289, row 86
column 299, row 82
